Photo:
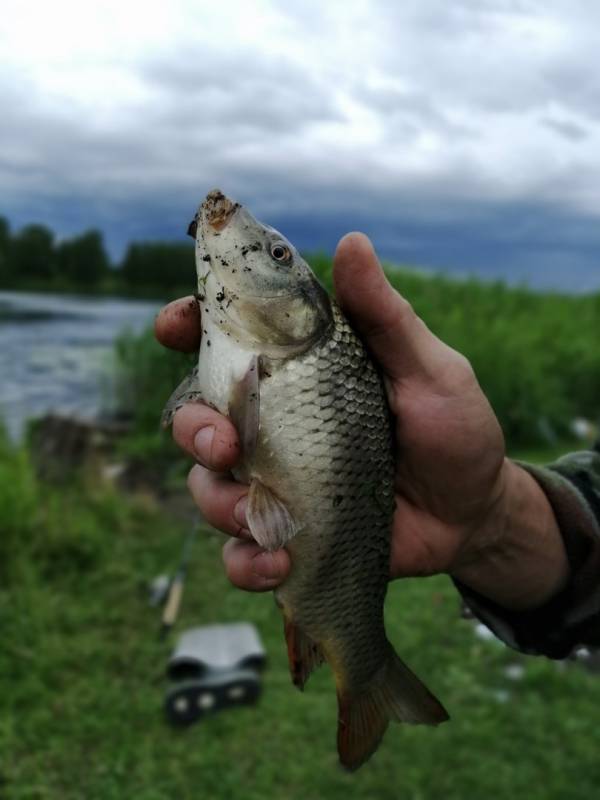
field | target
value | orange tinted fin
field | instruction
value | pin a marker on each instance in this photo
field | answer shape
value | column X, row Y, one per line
column 304, row 655
column 361, row 725
column 395, row 693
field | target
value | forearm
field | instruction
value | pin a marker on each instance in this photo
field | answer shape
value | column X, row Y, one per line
column 518, row 560
column 537, row 592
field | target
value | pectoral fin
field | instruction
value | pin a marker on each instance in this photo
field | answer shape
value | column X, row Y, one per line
column 269, row 520
column 244, row 408
column 188, row 391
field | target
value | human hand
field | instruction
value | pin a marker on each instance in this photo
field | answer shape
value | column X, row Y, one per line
column 455, row 491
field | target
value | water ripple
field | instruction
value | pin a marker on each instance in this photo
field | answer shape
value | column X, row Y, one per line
column 56, row 352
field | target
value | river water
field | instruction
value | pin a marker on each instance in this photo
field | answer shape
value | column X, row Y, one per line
column 56, row 352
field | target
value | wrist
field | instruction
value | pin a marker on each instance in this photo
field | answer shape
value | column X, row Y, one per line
column 516, row 556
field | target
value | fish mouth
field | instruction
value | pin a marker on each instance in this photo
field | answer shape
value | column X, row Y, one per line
column 217, row 210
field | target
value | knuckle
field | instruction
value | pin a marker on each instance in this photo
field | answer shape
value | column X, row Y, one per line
column 397, row 315
column 404, row 310
column 233, row 564
column 465, row 374
column 215, row 498
column 464, row 365
column 459, row 378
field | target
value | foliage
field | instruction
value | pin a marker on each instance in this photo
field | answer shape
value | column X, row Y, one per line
column 4, row 250
column 81, row 679
column 146, row 375
column 31, row 259
column 32, row 252
column 83, row 259
column 161, row 265
column 19, row 501
column 534, row 353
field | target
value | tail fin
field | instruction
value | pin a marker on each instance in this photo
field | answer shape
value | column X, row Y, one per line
column 395, row 693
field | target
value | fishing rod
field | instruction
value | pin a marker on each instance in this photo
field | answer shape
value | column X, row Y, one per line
column 175, row 593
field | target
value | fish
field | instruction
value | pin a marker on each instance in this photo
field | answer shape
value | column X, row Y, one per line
column 279, row 358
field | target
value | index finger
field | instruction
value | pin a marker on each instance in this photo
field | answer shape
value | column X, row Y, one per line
column 178, row 325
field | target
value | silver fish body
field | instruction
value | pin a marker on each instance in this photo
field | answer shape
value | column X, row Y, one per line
column 317, row 452
column 326, row 411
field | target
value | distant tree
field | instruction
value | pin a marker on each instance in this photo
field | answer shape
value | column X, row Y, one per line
column 162, row 265
column 83, row 259
column 33, row 253
column 5, row 254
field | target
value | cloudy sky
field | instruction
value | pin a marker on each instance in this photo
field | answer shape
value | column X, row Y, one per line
column 461, row 135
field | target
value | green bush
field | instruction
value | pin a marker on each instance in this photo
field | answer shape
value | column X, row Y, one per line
column 19, row 503
column 534, row 353
column 146, row 375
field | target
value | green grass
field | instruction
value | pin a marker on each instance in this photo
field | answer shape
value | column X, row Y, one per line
column 546, row 454
column 81, row 678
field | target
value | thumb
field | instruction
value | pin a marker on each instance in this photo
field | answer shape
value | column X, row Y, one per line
column 398, row 339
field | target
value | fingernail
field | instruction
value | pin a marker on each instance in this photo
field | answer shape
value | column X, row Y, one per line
column 239, row 512
column 203, row 442
column 266, row 566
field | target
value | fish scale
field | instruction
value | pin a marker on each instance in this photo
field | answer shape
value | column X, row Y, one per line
column 342, row 524
column 317, row 452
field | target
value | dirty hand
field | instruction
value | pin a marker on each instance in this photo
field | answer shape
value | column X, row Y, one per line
column 461, row 506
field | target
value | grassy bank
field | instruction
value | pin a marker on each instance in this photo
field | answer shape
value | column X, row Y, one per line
column 81, row 683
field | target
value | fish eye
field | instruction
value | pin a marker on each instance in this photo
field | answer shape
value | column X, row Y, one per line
column 280, row 252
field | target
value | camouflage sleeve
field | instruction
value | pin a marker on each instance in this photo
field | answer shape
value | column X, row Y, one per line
column 571, row 618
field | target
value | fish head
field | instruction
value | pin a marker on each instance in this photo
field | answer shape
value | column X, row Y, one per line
column 254, row 282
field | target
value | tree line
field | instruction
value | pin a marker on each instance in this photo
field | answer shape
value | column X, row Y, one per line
column 33, row 257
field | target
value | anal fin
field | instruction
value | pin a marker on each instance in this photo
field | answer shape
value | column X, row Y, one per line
column 304, row 655
column 269, row 519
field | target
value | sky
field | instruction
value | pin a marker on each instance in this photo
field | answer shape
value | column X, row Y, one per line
column 461, row 136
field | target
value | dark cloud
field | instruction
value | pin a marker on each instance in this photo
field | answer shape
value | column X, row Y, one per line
column 459, row 135
column 244, row 89
column 408, row 113
column 520, row 244
column 566, row 129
